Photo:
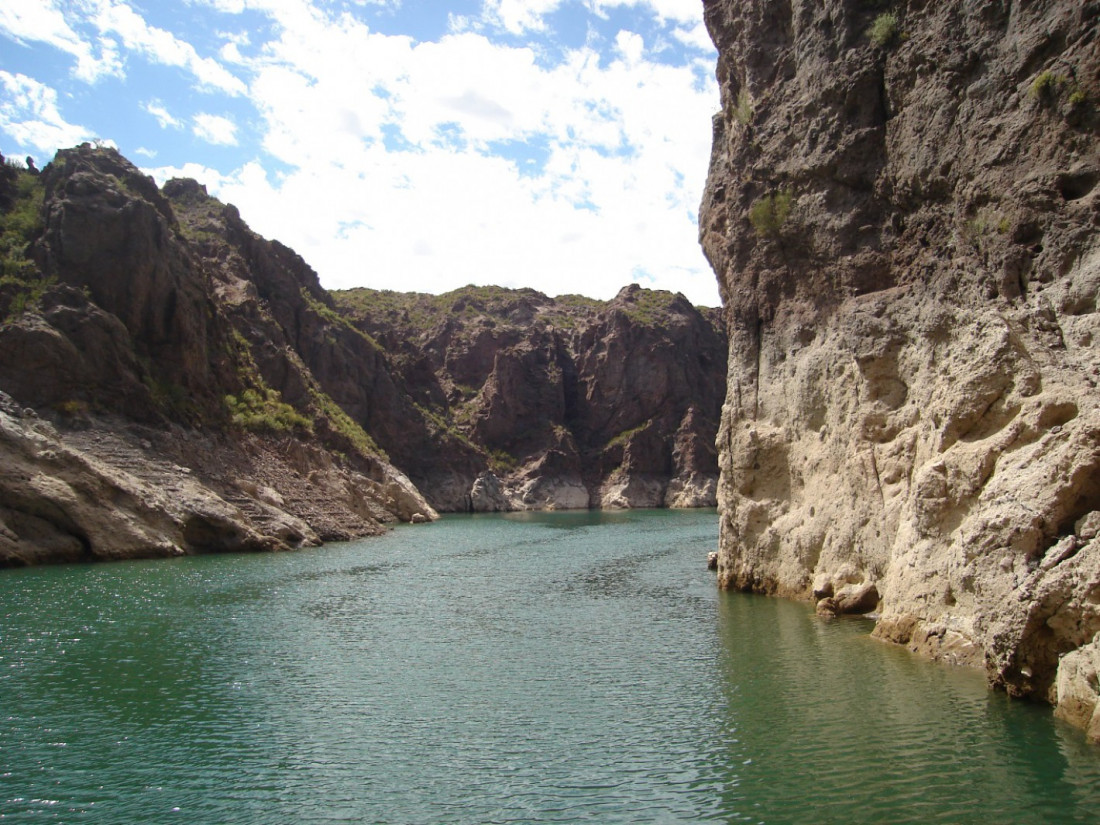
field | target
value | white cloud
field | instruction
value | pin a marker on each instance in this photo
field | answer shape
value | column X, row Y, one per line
column 29, row 114
column 146, row 153
column 43, row 21
column 215, row 129
column 163, row 116
column 160, row 46
column 429, row 165
column 695, row 36
column 49, row 22
column 518, row 16
column 680, row 11
column 204, row 174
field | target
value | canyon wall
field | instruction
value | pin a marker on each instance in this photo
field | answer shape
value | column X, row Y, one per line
column 567, row 402
column 903, row 217
column 171, row 382
column 152, row 401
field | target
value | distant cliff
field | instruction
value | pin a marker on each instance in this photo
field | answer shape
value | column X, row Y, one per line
column 170, row 382
column 902, row 211
column 571, row 402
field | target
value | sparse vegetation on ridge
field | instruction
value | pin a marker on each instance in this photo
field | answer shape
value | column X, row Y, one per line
column 1049, row 87
column 1046, row 85
column 647, row 306
column 743, row 110
column 21, row 194
column 502, row 462
column 622, row 438
column 263, row 410
column 343, row 424
column 21, row 282
column 418, row 312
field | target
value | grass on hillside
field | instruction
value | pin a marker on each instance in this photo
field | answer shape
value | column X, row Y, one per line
column 21, row 195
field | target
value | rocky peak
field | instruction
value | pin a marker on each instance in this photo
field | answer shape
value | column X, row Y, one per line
column 127, row 331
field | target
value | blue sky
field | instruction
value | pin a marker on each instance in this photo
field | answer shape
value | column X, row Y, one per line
column 557, row 144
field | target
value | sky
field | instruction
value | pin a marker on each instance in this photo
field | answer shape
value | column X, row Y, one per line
column 414, row 145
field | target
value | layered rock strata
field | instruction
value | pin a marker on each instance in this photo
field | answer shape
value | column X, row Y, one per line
column 903, row 216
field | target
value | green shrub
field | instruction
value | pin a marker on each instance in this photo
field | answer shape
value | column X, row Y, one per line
column 623, row 438
column 743, row 110
column 345, row 425
column 768, row 214
column 884, row 31
column 649, row 307
column 21, row 292
column 1046, row 85
column 334, row 318
column 21, row 195
column 73, row 408
column 264, row 410
column 502, row 462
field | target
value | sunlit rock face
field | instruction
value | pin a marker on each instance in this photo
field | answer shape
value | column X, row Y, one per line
column 903, row 217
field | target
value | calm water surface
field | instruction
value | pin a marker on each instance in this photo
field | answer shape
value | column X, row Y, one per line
column 572, row 667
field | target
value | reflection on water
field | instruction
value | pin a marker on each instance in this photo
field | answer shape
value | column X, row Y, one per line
column 561, row 667
column 822, row 718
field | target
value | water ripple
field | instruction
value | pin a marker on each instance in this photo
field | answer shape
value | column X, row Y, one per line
column 491, row 670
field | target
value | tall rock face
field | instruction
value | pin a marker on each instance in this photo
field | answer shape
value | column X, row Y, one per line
column 564, row 402
column 902, row 211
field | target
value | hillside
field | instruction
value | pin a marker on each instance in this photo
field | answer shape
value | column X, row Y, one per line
column 573, row 402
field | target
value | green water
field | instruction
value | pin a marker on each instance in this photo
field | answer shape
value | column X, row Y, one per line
column 571, row 667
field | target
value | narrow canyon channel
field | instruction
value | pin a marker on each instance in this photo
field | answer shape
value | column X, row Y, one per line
column 554, row 667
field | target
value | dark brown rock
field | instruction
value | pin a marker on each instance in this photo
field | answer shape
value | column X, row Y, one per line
column 570, row 402
column 127, row 318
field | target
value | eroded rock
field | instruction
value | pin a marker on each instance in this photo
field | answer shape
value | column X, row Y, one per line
column 1078, row 689
column 568, row 402
column 912, row 393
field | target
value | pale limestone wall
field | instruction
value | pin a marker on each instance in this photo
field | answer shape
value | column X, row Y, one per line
column 913, row 394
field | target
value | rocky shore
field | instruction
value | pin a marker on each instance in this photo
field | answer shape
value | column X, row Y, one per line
column 902, row 213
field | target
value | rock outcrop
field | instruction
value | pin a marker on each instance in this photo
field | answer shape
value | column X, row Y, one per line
column 903, row 216
column 568, row 402
column 154, row 403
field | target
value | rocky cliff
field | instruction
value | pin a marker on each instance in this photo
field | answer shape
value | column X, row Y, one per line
column 566, row 402
column 154, row 401
column 171, row 382
column 902, row 213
